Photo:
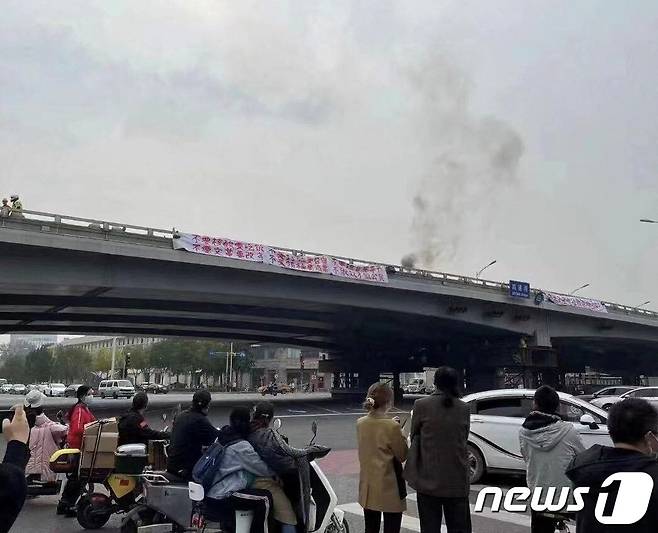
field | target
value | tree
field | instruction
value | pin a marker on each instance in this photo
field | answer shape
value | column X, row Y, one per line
column 102, row 363
column 140, row 360
column 71, row 363
column 13, row 368
column 38, row 365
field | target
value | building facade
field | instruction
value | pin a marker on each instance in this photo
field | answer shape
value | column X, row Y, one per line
column 34, row 341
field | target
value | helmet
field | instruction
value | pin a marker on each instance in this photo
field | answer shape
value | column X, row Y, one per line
column 14, row 197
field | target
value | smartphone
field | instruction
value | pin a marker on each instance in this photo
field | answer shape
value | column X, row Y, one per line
column 6, row 413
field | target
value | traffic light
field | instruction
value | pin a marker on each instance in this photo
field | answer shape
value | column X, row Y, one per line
column 301, row 361
column 127, row 361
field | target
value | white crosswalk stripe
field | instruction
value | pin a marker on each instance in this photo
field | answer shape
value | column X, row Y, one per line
column 412, row 523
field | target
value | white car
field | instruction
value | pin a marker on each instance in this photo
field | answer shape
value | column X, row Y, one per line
column 6, row 388
column 56, row 389
column 496, row 418
column 649, row 394
column 19, row 388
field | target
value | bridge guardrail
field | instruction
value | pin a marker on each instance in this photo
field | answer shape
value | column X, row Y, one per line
column 94, row 228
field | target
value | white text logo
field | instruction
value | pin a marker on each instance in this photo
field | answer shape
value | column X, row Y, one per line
column 623, row 499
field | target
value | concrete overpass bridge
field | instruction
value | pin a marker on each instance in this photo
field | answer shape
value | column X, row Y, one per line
column 73, row 275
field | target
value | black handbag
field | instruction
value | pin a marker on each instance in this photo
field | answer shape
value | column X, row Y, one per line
column 399, row 477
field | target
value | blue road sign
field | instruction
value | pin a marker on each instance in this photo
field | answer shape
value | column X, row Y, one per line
column 519, row 289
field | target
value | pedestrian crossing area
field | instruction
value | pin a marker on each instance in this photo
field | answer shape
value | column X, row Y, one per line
column 483, row 522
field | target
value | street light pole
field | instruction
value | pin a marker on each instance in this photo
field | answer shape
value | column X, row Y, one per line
column 114, row 355
column 579, row 288
column 642, row 305
column 477, row 274
column 648, row 221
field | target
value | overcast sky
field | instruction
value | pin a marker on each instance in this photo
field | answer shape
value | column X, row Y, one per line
column 526, row 130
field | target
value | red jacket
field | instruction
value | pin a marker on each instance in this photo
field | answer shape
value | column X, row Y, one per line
column 78, row 417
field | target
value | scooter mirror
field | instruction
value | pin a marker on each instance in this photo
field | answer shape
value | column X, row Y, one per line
column 164, row 417
column 314, row 428
column 277, row 423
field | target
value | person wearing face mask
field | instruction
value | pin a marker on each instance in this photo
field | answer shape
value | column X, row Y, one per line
column 78, row 416
column 633, row 427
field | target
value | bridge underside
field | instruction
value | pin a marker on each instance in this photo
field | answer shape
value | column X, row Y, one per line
column 366, row 328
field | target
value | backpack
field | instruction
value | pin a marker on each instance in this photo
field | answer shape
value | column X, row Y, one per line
column 206, row 467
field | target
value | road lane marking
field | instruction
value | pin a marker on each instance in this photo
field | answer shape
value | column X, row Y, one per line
column 408, row 522
column 519, row 519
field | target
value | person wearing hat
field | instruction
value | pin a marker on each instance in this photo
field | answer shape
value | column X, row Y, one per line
column 16, row 207
column 190, row 433
column 5, row 210
column 78, row 416
column 45, row 436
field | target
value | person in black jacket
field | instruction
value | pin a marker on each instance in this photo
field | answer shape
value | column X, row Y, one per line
column 13, row 488
column 133, row 428
column 633, row 427
column 191, row 432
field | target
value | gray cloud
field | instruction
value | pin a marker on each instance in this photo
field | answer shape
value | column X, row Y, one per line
column 459, row 132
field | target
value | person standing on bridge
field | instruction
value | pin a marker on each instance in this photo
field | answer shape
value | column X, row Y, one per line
column 16, row 207
column 78, row 416
column 438, row 459
column 381, row 446
column 5, row 210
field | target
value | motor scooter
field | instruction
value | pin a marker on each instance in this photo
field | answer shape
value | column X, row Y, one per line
column 178, row 506
column 122, row 485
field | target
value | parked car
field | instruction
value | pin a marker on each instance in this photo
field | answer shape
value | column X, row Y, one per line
column 6, row 388
column 649, row 394
column 617, row 390
column 116, row 388
column 496, row 417
column 72, row 390
column 55, row 389
column 154, row 388
column 19, row 388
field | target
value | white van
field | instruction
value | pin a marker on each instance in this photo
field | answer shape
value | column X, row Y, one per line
column 115, row 388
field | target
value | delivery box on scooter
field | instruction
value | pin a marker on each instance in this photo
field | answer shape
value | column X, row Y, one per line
column 107, row 444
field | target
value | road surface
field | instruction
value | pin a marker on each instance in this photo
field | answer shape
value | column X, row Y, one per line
column 336, row 428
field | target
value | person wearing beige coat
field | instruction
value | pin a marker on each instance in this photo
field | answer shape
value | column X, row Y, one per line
column 380, row 442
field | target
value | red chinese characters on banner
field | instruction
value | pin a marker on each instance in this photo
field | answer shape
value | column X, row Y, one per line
column 203, row 244
column 306, row 263
column 246, row 251
column 361, row 272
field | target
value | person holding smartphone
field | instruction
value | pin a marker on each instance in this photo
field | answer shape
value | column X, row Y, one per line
column 13, row 488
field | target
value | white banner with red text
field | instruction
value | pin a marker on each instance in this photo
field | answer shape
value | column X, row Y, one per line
column 248, row 251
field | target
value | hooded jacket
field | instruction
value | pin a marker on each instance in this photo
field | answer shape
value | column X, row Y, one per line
column 239, row 466
column 548, row 445
column 592, row 467
column 45, row 437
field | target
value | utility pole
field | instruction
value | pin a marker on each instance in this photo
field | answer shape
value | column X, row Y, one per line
column 231, row 367
column 114, row 354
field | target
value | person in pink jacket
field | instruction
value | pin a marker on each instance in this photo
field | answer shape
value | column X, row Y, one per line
column 45, row 437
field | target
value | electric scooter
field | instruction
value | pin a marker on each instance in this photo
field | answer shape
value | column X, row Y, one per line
column 178, row 506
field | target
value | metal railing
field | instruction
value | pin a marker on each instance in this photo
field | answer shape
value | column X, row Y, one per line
column 106, row 230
